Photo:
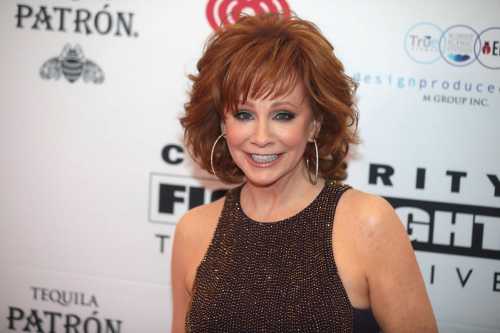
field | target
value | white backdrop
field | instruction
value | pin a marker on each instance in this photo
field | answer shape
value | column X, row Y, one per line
column 94, row 175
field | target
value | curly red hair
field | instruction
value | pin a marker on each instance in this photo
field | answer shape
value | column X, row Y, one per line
column 265, row 56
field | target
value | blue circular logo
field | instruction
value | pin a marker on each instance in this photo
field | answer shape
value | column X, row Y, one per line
column 457, row 45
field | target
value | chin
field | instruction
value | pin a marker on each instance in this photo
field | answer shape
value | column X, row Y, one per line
column 261, row 182
column 267, row 179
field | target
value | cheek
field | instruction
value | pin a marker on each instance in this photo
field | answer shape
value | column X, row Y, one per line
column 236, row 134
column 294, row 136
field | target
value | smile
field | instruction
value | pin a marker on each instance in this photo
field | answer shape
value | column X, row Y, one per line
column 264, row 158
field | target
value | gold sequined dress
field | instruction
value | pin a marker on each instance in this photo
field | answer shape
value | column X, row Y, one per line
column 274, row 276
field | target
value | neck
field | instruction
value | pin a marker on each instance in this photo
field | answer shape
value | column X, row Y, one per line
column 280, row 199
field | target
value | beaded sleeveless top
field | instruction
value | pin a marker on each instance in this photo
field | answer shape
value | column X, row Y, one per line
column 274, row 276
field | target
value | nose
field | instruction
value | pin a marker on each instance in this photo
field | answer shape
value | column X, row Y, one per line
column 262, row 134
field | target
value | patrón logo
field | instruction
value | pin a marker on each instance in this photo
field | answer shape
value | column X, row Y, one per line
column 72, row 64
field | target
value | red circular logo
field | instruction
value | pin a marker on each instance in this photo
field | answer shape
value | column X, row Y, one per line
column 227, row 11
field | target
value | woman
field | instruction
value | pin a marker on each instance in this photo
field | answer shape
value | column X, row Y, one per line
column 290, row 250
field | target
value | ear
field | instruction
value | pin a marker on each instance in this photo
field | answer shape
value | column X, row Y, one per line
column 315, row 128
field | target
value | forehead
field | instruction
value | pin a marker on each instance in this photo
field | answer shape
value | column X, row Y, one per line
column 269, row 81
column 294, row 94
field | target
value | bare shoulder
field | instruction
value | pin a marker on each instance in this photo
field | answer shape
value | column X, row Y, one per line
column 372, row 230
column 191, row 237
column 202, row 219
column 371, row 224
column 371, row 215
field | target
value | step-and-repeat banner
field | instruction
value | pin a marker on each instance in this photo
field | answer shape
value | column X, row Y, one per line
column 94, row 175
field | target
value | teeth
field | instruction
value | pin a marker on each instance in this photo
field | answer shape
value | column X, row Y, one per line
column 264, row 158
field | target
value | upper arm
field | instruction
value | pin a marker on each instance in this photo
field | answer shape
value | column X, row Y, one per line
column 397, row 291
column 191, row 238
column 180, row 295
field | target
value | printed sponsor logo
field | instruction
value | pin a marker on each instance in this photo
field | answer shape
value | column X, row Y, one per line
column 50, row 319
column 488, row 48
column 445, row 227
column 465, row 93
column 422, row 43
column 72, row 64
column 102, row 21
column 458, row 45
column 170, row 196
column 221, row 12
column 450, row 228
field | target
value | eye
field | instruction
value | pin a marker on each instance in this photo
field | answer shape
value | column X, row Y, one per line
column 284, row 115
column 243, row 115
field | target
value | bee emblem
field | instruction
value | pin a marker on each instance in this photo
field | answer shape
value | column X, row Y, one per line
column 72, row 64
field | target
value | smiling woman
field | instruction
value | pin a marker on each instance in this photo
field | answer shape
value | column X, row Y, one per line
column 267, row 138
column 291, row 248
column 262, row 58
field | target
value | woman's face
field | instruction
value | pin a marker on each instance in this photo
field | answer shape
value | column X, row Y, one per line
column 267, row 137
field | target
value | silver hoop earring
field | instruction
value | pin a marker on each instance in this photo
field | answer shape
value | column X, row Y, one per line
column 212, row 152
column 314, row 180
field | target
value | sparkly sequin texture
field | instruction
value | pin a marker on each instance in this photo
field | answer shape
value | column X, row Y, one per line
column 274, row 276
